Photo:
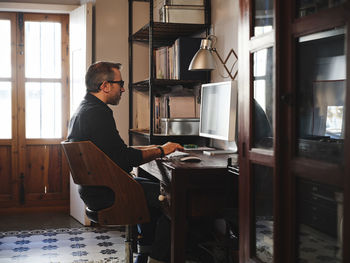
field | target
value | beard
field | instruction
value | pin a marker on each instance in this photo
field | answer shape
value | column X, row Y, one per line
column 115, row 100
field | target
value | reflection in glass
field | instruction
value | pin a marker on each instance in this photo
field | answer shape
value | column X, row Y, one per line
column 263, row 99
column 263, row 16
column 307, row 7
column 42, row 50
column 5, row 110
column 263, row 212
column 43, row 110
column 5, row 49
column 321, row 90
column 328, row 107
column 319, row 222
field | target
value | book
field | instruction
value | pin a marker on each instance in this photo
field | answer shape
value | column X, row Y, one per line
column 161, row 64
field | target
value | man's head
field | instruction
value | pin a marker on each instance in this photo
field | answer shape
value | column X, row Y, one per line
column 103, row 79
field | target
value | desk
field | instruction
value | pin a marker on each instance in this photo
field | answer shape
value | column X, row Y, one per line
column 195, row 190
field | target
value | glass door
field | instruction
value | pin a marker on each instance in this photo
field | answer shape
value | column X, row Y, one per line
column 320, row 128
column 44, row 112
column 257, row 129
column 314, row 125
column 35, row 109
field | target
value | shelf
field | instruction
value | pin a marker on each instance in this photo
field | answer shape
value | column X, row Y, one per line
column 167, row 33
column 142, row 137
column 144, row 84
column 145, row 133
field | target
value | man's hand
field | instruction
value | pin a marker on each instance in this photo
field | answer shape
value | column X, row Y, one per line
column 152, row 152
column 170, row 147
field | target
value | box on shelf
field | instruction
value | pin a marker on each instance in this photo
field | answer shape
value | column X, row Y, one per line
column 180, row 126
column 188, row 14
column 157, row 5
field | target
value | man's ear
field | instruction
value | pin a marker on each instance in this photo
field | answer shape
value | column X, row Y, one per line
column 105, row 87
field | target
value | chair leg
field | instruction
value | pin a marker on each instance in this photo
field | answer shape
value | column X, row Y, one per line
column 128, row 244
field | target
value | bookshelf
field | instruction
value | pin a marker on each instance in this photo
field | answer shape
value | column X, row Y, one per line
column 159, row 35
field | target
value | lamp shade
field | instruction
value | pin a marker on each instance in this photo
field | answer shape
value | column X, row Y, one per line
column 203, row 59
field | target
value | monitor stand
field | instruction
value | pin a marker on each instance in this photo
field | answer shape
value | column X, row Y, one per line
column 216, row 152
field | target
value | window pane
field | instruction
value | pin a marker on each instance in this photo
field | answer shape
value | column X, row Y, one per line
column 319, row 222
column 5, row 49
column 43, row 110
column 42, row 50
column 263, row 99
column 263, row 211
column 321, row 90
column 263, row 16
column 5, row 110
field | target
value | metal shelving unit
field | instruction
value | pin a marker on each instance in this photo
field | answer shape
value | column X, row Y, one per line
column 158, row 34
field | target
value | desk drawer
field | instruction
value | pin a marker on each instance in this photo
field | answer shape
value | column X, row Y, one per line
column 210, row 202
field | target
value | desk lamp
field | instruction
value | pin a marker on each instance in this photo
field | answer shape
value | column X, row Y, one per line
column 203, row 60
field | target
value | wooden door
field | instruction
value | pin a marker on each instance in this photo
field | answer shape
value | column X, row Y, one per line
column 40, row 111
column 314, row 41
column 258, row 126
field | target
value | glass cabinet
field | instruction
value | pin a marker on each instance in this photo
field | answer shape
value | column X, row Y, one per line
column 294, row 131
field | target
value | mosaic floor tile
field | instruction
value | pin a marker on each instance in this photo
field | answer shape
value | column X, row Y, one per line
column 314, row 245
column 77, row 245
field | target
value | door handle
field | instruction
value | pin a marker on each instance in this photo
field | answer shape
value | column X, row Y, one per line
column 21, row 189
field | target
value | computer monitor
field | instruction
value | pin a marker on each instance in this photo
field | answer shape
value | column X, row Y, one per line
column 218, row 111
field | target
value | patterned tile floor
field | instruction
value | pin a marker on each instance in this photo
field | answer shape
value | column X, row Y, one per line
column 86, row 244
column 314, row 246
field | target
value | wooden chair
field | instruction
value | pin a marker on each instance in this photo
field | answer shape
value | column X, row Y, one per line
column 90, row 166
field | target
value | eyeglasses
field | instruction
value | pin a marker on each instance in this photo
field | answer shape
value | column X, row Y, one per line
column 120, row 82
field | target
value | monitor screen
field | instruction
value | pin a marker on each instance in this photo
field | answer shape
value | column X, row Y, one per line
column 218, row 111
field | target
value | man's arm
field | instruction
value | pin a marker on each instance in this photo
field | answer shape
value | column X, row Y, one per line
column 144, row 147
column 153, row 151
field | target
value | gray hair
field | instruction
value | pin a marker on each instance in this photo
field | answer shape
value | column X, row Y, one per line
column 99, row 72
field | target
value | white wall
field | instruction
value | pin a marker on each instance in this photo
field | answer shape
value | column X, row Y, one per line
column 111, row 44
column 224, row 18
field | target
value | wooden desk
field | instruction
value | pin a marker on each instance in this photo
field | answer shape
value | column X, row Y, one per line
column 195, row 190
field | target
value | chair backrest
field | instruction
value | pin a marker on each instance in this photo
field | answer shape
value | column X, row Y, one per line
column 91, row 167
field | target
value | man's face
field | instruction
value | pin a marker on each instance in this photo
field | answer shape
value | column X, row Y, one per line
column 116, row 90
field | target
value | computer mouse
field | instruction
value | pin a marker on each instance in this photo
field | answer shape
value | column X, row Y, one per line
column 190, row 159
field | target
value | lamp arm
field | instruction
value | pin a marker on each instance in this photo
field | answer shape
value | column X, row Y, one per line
column 224, row 62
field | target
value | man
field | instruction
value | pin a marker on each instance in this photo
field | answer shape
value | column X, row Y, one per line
column 94, row 121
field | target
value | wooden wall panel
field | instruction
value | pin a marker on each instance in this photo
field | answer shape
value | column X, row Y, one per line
column 36, row 172
column 45, row 168
column 5, row 172
column 55, row 169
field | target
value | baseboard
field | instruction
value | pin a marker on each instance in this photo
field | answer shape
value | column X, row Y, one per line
column 13, row 210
